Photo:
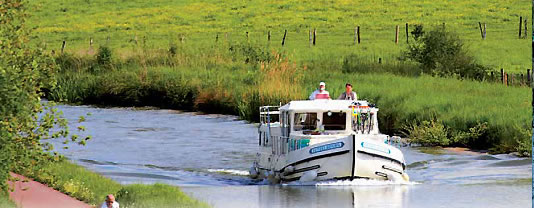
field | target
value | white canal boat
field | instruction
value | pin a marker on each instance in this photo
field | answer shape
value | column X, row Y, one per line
column 314, row 140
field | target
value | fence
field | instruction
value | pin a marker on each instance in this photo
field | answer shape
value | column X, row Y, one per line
column 511, row 79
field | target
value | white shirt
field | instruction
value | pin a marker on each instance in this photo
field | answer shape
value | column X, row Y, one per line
column 114, row 205
column 314, row 93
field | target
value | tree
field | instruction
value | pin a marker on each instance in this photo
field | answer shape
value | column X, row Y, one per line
column 26, row 124
column 443, row 53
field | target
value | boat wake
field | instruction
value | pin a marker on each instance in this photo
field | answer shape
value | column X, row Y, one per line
column 229, row 172
column 355, row 182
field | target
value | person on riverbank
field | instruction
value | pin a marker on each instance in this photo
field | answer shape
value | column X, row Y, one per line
column 320, row 93
column 348, row 94
column 110, row 202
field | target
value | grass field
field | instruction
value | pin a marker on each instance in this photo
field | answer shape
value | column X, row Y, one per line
column 92, row 188
column 157, row 24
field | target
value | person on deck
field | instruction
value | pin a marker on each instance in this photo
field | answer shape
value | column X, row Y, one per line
column 320, row 93
column 110, row 202
column 348, row 94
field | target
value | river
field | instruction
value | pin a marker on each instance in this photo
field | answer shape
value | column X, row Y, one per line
column 208, row 156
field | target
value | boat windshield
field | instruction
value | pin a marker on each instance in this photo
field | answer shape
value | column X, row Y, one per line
column 305, row 121
column 334, row 120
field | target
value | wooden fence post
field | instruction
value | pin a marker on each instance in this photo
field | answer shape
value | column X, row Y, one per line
column 358, row 28
column 406, row 32
column 63, row 46
column 511, row 79
column 528, row 76
column 484, row 34
column 284, row 38
column 526, row 29
column 502, row 76
column 310, row 39
column 480, row 27
column 355, row 35
column 314, row 36
column 506, row 79
column 397, row 34
column 520, row 22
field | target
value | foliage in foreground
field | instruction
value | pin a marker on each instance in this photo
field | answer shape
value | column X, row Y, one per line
column 157, row 195
column 25, row 124
column 92, row 188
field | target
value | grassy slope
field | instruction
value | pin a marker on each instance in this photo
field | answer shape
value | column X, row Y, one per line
column 163, row 22
column 92, row 188
column 5, row 202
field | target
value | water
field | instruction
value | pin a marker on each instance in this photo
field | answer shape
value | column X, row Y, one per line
column 208, row 157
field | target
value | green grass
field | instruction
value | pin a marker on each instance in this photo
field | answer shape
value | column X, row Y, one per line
column 157, row 195
column 92, row 188
column 159, row 23
column 5, row 202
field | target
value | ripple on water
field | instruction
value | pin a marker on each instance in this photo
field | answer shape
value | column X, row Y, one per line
column 512, row 163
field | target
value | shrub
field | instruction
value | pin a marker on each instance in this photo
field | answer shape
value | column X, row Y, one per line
column 104, row 57
column 417, row 32
column 442, row 53
column 428, row 133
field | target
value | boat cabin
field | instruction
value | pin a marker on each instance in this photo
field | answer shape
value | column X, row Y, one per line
column 321, row 117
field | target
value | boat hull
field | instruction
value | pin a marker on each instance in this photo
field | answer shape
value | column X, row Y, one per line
column 350, row 157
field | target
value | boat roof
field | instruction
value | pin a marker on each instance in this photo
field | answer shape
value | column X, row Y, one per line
column 321, row 105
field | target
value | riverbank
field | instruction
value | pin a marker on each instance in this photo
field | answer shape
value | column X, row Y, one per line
column 91, row 188
column 430, row 110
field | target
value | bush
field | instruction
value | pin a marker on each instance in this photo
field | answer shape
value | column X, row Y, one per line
column 417, row 32
column 428, row 133
column 442, row 53
column 104, row 57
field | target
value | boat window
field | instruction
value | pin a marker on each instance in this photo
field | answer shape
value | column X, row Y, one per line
column 273, row 118
column 305, row 121
column 334, row 120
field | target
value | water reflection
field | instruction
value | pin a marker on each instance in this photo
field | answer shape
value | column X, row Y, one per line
column 333, row 196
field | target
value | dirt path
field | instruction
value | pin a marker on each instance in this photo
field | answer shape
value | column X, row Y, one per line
column 38, row 195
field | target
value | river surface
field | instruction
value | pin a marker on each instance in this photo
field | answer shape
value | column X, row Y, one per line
column 208, row 156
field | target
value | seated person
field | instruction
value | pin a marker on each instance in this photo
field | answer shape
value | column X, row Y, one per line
column 348, row 94
column 320, row 93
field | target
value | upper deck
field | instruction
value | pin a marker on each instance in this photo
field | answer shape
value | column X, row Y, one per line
column 322, row 105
